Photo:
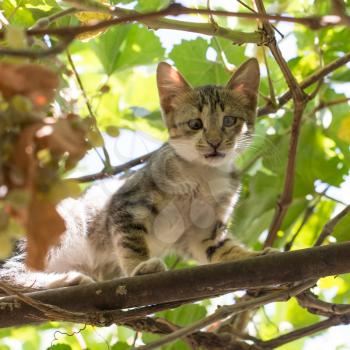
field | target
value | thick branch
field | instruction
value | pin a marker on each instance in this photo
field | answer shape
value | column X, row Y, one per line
column 186, row 284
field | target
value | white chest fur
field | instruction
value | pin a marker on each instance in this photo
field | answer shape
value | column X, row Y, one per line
column 211, row 201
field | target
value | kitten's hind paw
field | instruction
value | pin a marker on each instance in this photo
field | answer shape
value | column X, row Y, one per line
column 152, row 265
column 71, row 278
column 268, row 250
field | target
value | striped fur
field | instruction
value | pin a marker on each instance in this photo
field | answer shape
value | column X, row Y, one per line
column 181, row 200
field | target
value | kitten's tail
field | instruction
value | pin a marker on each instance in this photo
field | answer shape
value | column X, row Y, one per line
column 15, row 273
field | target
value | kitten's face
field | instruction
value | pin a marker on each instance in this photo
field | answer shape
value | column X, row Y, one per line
column 211, row 124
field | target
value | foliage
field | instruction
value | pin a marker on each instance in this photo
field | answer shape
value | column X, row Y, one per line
column 116, row 67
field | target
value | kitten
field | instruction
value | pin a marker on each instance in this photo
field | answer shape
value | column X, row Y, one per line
column 181, row 200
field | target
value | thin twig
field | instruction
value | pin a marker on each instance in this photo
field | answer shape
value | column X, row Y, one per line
column 329, row 227
column 106, row 161
column 310, row 80
column 332, row 198
column 216, row 41
column 46, row 21
column 300, row 333
column 271, row 88
column 326, row 104
column 307, row 215
column 252, row 10
column 52, row 51
column 309, row 301
column 114, row 169
column 226, row 311
column 339, row 9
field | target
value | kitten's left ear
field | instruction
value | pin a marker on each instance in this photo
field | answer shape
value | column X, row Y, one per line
column 246, row 80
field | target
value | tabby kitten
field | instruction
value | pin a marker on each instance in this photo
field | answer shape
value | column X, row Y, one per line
column 181, row 200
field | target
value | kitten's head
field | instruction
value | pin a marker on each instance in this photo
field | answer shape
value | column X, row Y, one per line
column 209, row 124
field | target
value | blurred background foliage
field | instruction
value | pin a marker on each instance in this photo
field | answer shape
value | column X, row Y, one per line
column 117, row 71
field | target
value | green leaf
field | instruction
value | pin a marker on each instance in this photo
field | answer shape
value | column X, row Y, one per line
column 17, row 14
column 234, row 54
column 127, row 46
column 185, row 315
column 259, row 197
column 150, row 6
column 342, row 229
column 298, row 316
column 109, row 46
column 120, row 346
column 190, row 58
column 59, row 347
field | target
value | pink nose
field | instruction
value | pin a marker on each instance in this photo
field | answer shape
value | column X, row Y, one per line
column 215, row 143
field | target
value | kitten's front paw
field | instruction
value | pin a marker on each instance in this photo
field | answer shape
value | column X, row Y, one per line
column 152, row 265
column 71, row 278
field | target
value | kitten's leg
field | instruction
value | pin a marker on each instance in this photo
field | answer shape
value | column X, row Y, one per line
column 218, row 247
column 133, row 253
column 43, row 280
column 71, row 278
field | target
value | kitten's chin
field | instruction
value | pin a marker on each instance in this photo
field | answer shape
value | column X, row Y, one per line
column 211, row 159
column 215, row 160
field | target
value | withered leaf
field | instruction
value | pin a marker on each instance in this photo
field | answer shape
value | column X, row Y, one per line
column 44, row 227
column 60, row 136
column 31, row 80
column 42, row 222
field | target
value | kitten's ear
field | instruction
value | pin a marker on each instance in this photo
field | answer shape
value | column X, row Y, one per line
column 246, row 80
column 170, row 83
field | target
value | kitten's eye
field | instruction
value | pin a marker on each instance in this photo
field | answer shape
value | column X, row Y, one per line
column 229, row 120
column 195, row 124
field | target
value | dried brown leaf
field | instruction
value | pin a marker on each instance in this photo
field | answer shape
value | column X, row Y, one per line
column 60, row 136
column 44, row 227
column 31, row 80
column 42, row 222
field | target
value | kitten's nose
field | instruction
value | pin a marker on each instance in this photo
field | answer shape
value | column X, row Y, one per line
column 215, row 143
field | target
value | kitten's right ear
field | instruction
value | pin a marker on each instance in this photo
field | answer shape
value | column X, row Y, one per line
column 170, row 83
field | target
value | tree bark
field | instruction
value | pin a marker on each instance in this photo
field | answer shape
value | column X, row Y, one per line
column 186, row 284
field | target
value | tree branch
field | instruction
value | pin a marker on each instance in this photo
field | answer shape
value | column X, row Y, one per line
column 312, row 79
column 226, row 311
column 303, row 332
column 155, row 20
column 180, row 286
column 329, row 227
column 300, row 101
column 309, row 301
column 54, row 50
column 114, row 169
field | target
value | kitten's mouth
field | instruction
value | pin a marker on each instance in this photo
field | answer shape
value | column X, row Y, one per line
column 214, row 154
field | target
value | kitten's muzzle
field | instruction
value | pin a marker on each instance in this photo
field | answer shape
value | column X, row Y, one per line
column 215, row 143
column 215, row 154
